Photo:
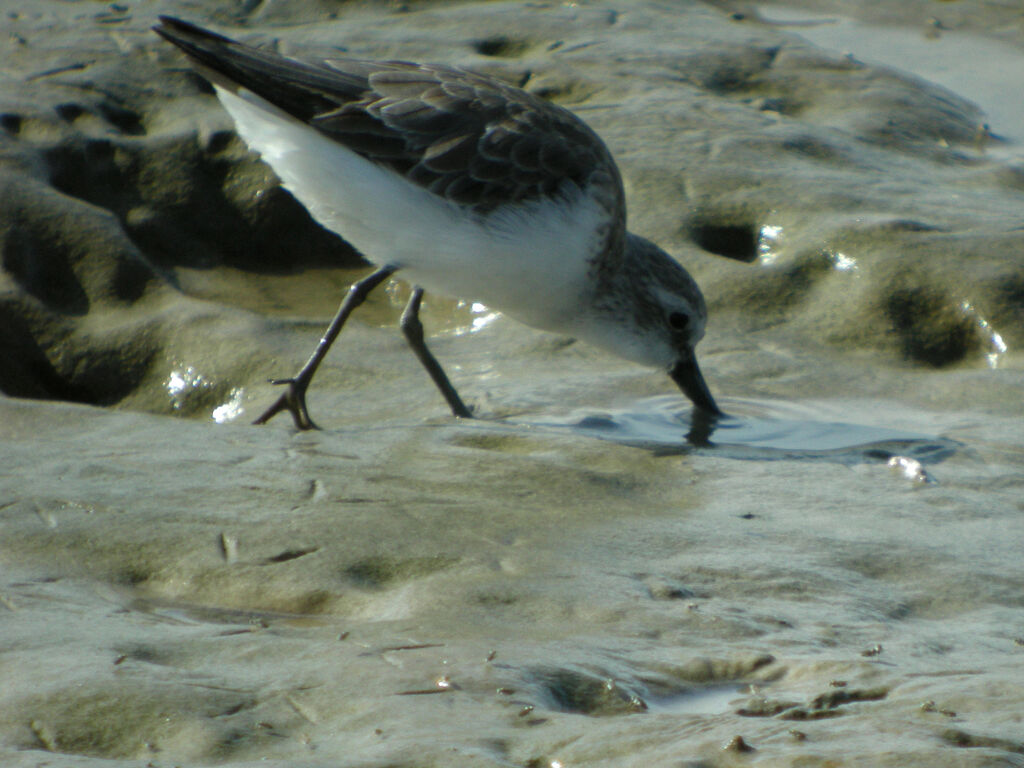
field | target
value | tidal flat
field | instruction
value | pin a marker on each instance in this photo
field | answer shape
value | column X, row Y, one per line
column 583, row 575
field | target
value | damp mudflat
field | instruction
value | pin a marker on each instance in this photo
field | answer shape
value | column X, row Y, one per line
column 413, row 592
column 586, row 574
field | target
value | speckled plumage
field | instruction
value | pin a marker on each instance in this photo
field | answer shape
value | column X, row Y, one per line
column 471, row 139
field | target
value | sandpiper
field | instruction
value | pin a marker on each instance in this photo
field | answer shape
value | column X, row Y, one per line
column 471, row 187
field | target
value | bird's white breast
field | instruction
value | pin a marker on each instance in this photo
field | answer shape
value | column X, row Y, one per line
column 528, row 260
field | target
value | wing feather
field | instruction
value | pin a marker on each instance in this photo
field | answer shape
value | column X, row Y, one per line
column 470, row 138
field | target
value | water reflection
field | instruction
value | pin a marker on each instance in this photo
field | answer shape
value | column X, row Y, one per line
column 664, row 425
column 997, row 346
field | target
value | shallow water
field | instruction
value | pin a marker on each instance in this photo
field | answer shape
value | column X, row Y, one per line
column 758, row 429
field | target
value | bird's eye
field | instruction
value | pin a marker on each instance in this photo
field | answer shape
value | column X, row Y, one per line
column 678, row 321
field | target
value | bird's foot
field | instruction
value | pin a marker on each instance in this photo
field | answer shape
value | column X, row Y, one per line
column 293, row 400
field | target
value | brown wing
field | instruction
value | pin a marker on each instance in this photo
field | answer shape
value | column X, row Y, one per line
column 464, row 136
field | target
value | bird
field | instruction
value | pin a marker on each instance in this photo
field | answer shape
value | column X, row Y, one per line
column 466, row 186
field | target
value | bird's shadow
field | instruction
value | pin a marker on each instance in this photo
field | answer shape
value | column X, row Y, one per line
column 666, row 427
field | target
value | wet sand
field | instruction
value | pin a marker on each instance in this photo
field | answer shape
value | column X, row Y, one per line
column 567, row 580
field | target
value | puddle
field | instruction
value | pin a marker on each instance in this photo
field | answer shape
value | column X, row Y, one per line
column 703, row 701
column 753, row 430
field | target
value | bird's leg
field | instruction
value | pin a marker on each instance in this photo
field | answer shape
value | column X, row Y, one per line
column 293, row 399
column 413, row 330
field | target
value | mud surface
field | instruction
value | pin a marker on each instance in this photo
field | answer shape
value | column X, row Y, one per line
column 583, row 575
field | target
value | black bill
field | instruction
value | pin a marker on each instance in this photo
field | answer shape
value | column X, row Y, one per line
column 687, row 375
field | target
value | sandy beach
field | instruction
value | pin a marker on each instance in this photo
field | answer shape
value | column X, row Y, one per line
column 581, row 576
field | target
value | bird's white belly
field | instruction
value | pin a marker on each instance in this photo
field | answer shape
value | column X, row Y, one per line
column 529, row 260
